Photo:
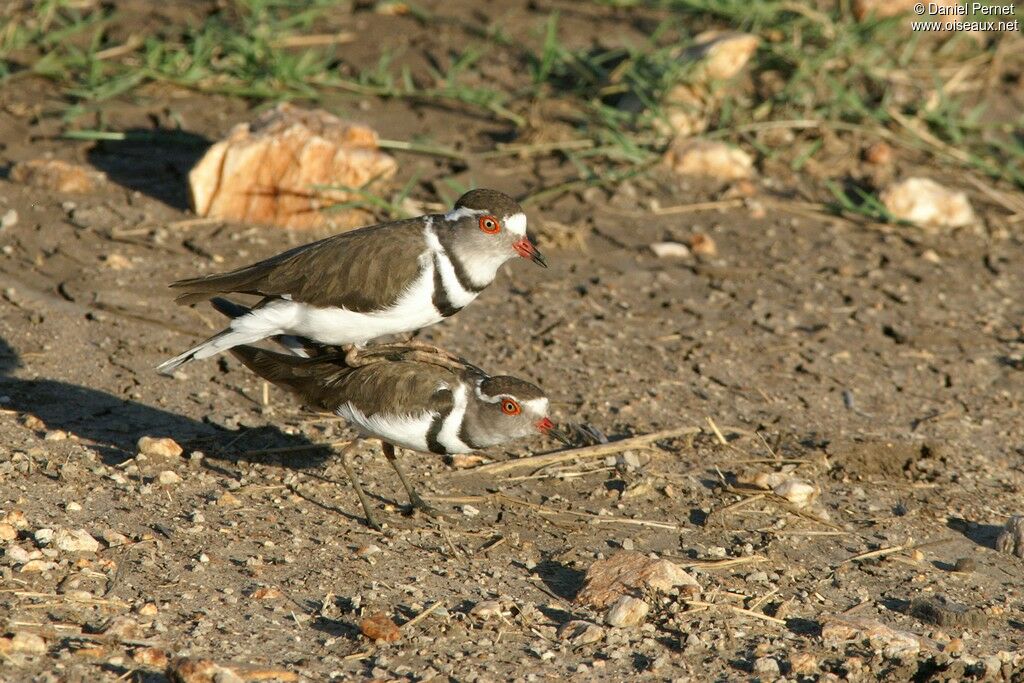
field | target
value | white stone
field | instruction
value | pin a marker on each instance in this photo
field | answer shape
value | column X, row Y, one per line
column 670, row 250
column 926, row 203
column 627, row 611
column 76, row 541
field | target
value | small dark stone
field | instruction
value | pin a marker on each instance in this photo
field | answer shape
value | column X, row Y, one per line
column 947, row 614
column 965, row 565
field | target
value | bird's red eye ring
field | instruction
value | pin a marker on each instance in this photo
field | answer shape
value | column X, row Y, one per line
column 510, row 407
column 490, row 225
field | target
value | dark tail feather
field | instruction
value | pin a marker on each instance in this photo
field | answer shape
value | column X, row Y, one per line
column 306, row 377
column 229, row 308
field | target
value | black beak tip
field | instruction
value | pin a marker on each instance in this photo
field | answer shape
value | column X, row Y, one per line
column 560, row 436
column 539, row 259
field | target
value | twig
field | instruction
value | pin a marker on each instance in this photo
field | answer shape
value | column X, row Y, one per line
column 740, row 610
column 421, row 616
column 881, row 552
column 356, row 656
column 315, row 39
column 417, row 148
column 718, row 433
column 634, row 522
column 597, row 451
column 723, row 563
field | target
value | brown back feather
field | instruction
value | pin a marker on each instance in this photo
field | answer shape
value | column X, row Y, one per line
column 364, row 270
column 326, row 382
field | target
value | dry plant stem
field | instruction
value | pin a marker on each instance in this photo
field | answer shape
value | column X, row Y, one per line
column 739, row 610
column 421, row 616
column 537, row 461
column 882, row 552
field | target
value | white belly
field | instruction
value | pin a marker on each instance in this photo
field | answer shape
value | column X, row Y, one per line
column 406, row 431
column 413, row 310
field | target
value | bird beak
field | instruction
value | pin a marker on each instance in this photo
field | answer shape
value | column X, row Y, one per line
column 527, row 249
column 547, row 427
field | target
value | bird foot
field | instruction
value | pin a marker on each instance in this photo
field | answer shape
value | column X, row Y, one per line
column 418, row 504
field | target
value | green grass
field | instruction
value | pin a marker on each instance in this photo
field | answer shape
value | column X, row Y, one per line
column 859, row 80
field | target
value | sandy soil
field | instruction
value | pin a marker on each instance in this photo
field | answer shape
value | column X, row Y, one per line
column 883, row 364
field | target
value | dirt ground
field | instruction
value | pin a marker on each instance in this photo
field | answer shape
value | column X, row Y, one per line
column 883, row 364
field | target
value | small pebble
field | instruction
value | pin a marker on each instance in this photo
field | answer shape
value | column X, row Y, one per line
column 470, row 511
column 670, row 250
column 167, row 477
column 159, row 447
column 9, row 220
column 485, row 609
column 767, row 667
column 627, row 611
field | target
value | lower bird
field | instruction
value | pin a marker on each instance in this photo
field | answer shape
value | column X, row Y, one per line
column 425, row 403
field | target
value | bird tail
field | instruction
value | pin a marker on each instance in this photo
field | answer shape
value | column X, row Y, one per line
column 309, row 378
column 221, row 341
column 247, row 326
column 298, row 346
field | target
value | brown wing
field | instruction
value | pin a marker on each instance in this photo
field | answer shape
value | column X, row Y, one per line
column 364, row 270
column 398, row 387
column 325, row 382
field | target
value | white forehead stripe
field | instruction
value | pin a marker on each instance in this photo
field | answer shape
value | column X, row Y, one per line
column 537, row 406
column 461, row 212
column 516, row 224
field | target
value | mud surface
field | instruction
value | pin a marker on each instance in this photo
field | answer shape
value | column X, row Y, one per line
column 883, row 364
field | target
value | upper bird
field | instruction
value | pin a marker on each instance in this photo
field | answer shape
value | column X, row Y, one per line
column 360, row 285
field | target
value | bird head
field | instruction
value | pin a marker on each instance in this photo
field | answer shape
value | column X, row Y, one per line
column 487, row 228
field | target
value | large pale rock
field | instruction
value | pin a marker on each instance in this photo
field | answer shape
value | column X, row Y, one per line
column 627, row 572
column 928, row 204
column 276, row 169
column 158, row 447
column 709, row 159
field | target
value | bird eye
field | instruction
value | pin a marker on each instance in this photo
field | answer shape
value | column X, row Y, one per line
column 510, row 407
column 489, row 224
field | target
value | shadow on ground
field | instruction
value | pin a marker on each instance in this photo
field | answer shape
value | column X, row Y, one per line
column 154, row 162
column 113, row 425
column 983, row 534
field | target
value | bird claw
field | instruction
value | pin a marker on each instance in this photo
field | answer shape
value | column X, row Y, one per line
column 418, row 504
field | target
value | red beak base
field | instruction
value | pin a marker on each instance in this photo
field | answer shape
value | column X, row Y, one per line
column 545, row 425
column 526, row 249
